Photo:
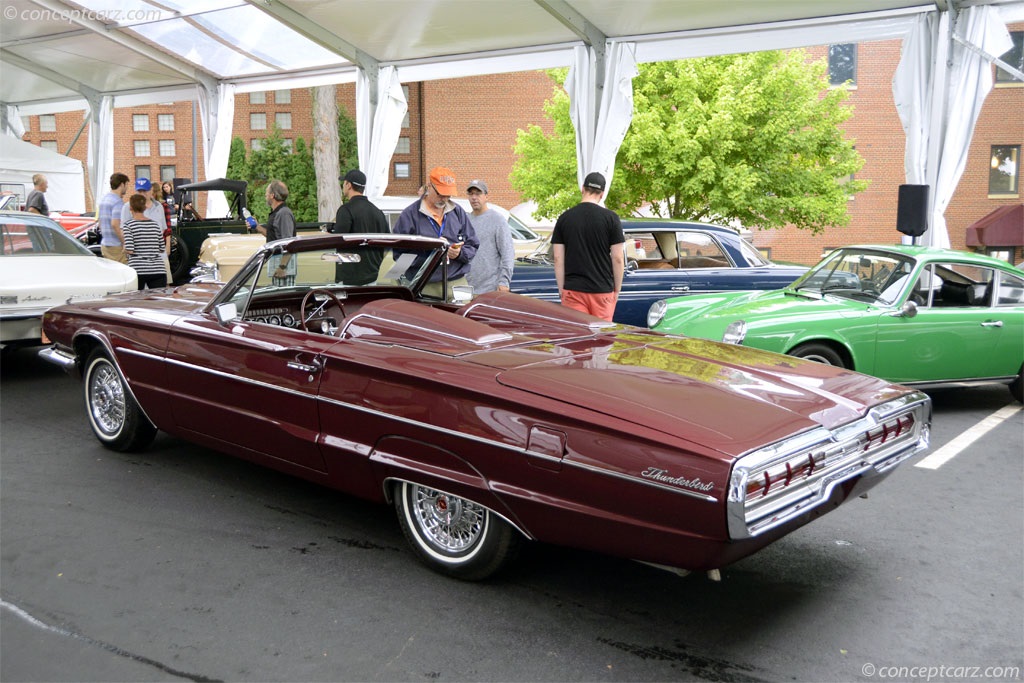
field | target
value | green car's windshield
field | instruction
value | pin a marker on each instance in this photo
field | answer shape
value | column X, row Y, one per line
column 863, row 275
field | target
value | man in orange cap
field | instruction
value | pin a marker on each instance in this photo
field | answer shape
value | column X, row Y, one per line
column 436, row 215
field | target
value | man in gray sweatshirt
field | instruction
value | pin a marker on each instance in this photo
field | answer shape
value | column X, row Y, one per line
column 492, row 265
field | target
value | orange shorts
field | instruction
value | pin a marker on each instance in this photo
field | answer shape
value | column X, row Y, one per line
column 599, row 305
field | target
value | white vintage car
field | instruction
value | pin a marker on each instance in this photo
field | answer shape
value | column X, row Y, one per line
column 222, row 255
column 42, row 266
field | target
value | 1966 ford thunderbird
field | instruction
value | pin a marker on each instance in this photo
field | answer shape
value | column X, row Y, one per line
column 490, row 420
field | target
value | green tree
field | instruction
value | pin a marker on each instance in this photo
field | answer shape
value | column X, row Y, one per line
column 274, row 160
column 301, row 182
column 753, row 137
column 348, row 149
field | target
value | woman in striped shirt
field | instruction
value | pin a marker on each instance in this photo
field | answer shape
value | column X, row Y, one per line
column 144, row 244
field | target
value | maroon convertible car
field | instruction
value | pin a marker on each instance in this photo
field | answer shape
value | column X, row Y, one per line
column 488, row 420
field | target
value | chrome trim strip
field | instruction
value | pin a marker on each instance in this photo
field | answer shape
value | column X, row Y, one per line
column 424, row 425
column 963, row 383
column 647, row 482
column 491, row 339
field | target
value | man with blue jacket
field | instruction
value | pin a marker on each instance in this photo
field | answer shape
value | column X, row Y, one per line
column 435, row 215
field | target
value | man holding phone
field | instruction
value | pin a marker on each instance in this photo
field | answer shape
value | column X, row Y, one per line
column 435, row 215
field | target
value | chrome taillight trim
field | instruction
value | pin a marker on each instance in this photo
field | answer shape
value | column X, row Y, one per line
column 833, row 457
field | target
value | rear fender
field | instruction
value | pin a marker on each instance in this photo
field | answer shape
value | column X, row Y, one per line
column 397, row 458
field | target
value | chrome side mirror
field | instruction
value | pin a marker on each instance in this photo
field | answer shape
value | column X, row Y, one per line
column 908, row 310
column 462, row 294
column 226, row 312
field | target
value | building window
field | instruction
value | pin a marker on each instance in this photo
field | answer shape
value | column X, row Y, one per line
column 1014, row 57
column 842, row 64
column 403, row 146
column 1004, row 174
column 166, row 173
column 142, row 171
column 167, row 148
column 165, row 121
column 257, row 98
column 283, row 120
column 142, row 148
column 48, row 144
column 47, row 123
column 258, row 121
column 401, row 170
column 282, row 97
column 289, row 144
column 256, row 144
column 140, row 122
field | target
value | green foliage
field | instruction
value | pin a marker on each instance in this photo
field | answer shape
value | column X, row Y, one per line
column 274, row 161
column 753, row 137
column 348, row 149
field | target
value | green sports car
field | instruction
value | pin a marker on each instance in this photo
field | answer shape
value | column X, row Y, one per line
column 908, row 314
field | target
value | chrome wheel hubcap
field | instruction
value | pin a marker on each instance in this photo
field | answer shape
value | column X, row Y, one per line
column 106, row 399
column 449, row 522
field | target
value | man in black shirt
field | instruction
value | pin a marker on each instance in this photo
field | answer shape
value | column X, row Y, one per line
column 589, row 260
column 358, row 215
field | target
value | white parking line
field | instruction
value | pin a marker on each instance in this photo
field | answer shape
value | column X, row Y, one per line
column 940, row 457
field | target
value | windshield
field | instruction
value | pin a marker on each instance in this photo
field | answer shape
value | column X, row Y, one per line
column 864, row 275
column 345, row 266
column 37, row 237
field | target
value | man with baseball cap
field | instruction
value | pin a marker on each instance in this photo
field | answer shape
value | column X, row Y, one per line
column 435, row 215
column 492, row 265
column 589, row 260
column 358, row 215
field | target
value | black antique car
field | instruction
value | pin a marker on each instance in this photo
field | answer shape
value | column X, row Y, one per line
column 191, row 229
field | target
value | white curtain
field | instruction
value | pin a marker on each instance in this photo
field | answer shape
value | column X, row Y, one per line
column 600, row 125
column 12, row 124
column 378, row 128
column 101, row 146
column 217, row 111
column 939, row 105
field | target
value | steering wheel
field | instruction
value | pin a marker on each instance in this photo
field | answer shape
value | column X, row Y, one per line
column 319, row 311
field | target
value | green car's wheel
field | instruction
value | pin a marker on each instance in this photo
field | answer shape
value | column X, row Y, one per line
column 453, row 535
column 819, row 353
column 1017, row 386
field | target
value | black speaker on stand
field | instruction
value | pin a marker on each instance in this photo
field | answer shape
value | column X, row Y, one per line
column 912, row 210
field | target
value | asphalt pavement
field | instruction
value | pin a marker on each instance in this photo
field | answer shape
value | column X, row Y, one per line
column 180, row 563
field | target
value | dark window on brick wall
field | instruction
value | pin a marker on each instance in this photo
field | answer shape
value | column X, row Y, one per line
column 1014, row 57
column 842, row 64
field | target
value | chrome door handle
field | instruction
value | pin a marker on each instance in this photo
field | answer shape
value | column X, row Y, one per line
column 992, row 323
column 294, row 365
column 680, row 288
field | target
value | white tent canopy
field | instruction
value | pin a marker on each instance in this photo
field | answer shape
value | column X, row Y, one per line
column 58, row 55
column 19, row 161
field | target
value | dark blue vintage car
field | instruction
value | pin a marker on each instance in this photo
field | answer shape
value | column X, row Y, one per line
column 666, row 259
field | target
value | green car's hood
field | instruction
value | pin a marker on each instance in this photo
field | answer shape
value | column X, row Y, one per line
column 707, row 316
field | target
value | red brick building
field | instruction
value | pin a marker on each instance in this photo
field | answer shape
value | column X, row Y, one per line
column 470, row 125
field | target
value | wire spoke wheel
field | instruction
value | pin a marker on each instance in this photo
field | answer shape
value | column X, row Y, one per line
column 450, row 523
column 452, row 535
column 116, row 419
column 106, row 399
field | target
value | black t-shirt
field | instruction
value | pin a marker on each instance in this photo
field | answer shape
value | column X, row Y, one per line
column 588, row 232
column 356, row 216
